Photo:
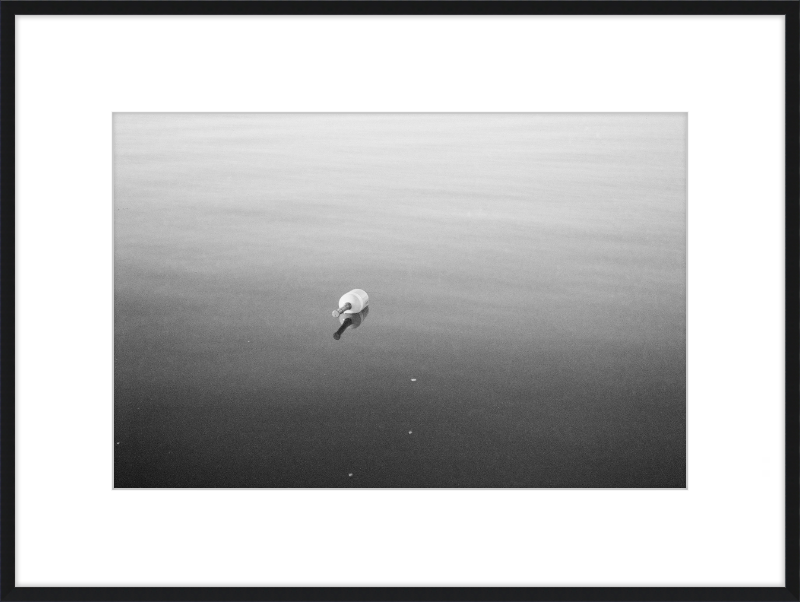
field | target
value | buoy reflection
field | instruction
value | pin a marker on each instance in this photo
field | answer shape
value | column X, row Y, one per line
column 350, row 321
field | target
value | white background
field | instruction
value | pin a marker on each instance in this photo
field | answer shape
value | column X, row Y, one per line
column 74, row 529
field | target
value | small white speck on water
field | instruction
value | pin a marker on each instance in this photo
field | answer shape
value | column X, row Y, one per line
column 413, row 380
column 350, row 474
column 409, row 432
column 117, row 442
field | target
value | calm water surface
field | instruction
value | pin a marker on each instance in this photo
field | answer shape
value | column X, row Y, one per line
column 527, row 314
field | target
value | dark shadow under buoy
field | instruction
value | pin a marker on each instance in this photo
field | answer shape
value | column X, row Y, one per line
column 350, row 321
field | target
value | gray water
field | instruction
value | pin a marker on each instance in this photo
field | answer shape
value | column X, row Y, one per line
column 527, row 318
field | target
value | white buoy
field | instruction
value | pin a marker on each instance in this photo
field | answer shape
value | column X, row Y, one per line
column 352, row 302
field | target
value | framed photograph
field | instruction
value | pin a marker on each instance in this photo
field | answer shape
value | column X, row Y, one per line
column 399, row 300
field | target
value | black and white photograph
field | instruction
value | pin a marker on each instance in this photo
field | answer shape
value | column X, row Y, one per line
column 400, row 300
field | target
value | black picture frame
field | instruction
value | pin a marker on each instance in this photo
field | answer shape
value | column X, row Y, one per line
column 790, row 9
